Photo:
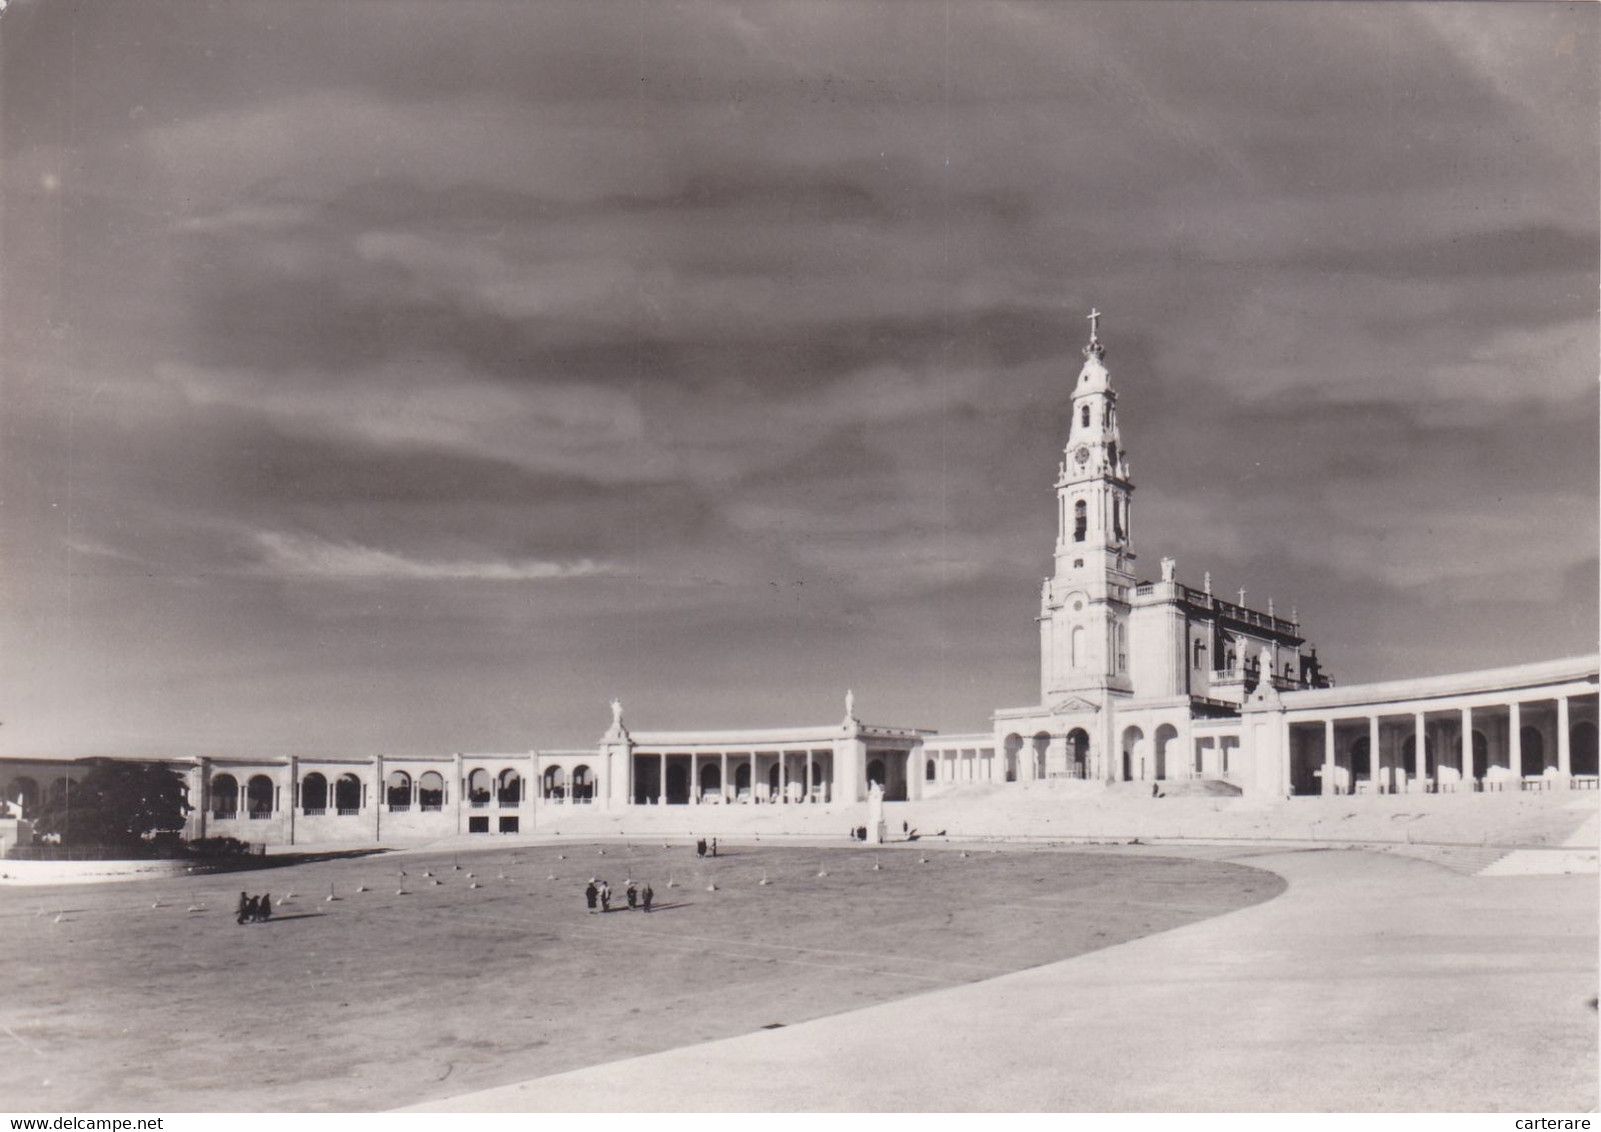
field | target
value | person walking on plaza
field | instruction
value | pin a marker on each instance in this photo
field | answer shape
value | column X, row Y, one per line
column 647, row 896
column 633, row 896
column 714, row 847
column 700, row 847
column 591, row 894
column 264, row 909
column 605, row 896
column 244, row 907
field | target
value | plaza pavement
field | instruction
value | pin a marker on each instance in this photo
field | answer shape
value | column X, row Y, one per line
column 1374, row 983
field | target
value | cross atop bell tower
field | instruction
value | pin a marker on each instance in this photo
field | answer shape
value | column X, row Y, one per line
column 1084, row 606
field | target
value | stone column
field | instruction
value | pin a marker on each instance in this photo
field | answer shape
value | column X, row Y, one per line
column 1055, row 754
column 1421, row 739
column 1286, row 771
column 850, row 757
column 1467, row 748
column 1514, row 742
column 1329, row 765
column 204, row 811
column 530, row 790
column 456, row 789
column 806, row 795
column 380, row 801
column 294, row 797
column 1564, row 753
column 661, row 785
column 1375, row 756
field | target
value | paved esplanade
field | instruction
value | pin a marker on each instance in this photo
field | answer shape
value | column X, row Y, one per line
column 1373, row 983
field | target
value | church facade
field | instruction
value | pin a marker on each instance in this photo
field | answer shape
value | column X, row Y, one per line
column 1151, row 681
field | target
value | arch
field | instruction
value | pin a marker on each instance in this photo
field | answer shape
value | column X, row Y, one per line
column 431, row 791
column 1481, row 755
column 1012, row 744
column 1409, row 752
column 1533, row 750
column 1084, row 414
column 1582, row 748
column 508, row 787
column 313, row 793
column 742, row 778
column 258, row 795
column 875, row 773
column 1132, row 738
column 224, row 795
column 1041, row 744
column 1078, row 753
column 583, row 783
column 711, row 779
column 479, row 787
column 930, row 771
column 1362, row 759
column 677, row 782
column 554, row 782
column 347, row 794
column 24, row 791
column 1076, row 656
column 397, row 790
column 1165, row 734
column 1080, row 520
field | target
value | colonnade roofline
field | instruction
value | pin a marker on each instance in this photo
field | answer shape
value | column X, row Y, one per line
column 777, row 736
column 1540, row 677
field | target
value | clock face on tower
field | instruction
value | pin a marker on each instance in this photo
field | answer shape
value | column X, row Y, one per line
column 1082, row 455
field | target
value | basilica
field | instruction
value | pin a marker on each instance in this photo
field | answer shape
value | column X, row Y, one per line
column 1142, row 679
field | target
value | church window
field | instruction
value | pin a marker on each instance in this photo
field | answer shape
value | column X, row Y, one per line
column 1077, row 657
column 1122, row 646
column 1117, row 518
column 1080, row 521
column 1084, row 416
column 1200, row 654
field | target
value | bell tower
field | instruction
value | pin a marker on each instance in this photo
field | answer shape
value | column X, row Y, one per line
column 1084, row 606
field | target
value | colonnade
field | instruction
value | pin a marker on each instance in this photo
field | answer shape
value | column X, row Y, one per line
column 803, row 776
column 959, row 764
column 1511, row 742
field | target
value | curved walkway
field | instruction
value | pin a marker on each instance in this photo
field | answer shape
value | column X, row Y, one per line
column 1374, row 983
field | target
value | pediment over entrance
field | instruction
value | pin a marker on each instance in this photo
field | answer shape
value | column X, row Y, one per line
column 1073, row 705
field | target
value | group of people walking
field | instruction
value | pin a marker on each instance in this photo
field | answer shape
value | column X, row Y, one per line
column 599, row 893
column 254, row 909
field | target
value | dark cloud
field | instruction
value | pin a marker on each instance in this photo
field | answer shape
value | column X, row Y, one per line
column 481, row 356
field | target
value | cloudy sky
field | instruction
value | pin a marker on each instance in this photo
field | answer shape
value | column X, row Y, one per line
column 414, row 377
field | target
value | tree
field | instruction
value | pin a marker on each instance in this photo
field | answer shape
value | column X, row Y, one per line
column 116, row 803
